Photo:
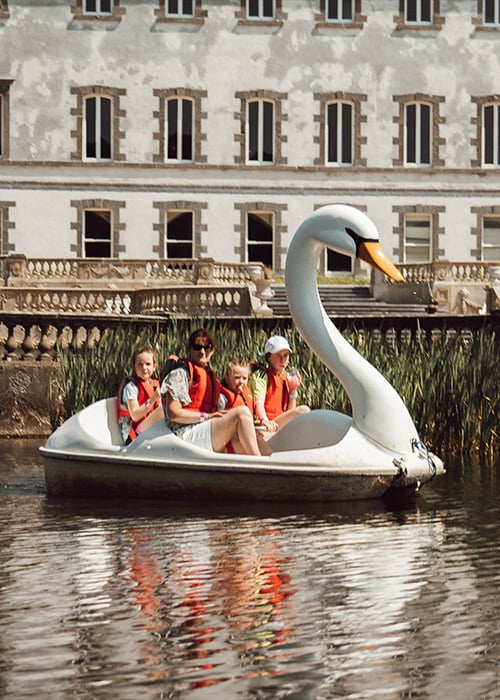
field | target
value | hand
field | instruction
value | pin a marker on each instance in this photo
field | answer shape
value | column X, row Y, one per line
column 293, row 381
column 270, row 425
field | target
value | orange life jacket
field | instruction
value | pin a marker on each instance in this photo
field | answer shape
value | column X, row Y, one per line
column 204, row 387
column 146, row 391
column 276, row 401
column 245, row 398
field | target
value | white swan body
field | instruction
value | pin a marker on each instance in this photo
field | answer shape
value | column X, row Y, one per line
column 380, row 425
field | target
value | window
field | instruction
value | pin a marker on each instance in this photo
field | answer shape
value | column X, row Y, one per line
column 418, row 11
column 417, row 238
column 5, row 226
column 260, row 238
column 339, row 133
column 180, row 118
column 261, row 230
column 98, row 134
column 261, row 117
column 418, row 134
column 260, row 131
column 4, row 117
column 339, row 14
column 260, row 9
column 179, row 126
column 418, row 138
column 340, row 10
column 97, row 7
column 419, row 14
column 4, row 9
column 97, row 228
column 97, row 120
column 106, row 11
column 179, row 235
column 180, row 8
column 186, row 12
column 491, row 12
column 491, row 135
column 97, row 234
column 491, row 238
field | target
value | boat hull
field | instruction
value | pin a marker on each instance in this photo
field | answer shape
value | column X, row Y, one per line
column 79, row 475
column 86, row 456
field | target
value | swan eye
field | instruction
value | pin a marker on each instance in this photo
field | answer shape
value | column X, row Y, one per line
column 358, row 240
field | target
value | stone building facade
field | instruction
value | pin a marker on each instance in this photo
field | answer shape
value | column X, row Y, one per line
column 201, row 128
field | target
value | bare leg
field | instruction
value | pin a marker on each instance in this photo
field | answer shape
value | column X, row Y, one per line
column 286, row 417
column 237, row 422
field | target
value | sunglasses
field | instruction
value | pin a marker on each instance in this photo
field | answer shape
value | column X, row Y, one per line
column 199, row 346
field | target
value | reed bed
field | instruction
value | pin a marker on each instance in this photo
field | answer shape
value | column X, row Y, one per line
column 449, row 382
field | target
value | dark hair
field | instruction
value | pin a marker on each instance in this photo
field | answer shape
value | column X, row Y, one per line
column 201, row 333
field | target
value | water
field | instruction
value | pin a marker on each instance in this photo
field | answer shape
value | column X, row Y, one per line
column 124, row 600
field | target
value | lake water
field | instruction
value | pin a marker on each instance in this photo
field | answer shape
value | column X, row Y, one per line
column 145, row 600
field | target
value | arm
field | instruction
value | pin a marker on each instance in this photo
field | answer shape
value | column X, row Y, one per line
column 138, row 411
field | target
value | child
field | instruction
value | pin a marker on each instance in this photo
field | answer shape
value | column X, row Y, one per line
column 275, row 391
column 235, row 391
column 139, row 399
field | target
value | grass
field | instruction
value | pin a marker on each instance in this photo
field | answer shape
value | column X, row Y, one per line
column 449, row 382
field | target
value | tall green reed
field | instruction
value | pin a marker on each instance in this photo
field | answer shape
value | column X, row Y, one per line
column 448, row 381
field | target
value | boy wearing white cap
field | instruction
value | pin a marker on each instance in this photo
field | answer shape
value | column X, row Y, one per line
column 275, row 390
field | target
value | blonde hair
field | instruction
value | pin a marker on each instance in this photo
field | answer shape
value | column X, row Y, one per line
column 232, row 365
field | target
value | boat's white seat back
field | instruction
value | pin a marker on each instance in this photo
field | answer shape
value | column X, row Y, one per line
column 93, row 428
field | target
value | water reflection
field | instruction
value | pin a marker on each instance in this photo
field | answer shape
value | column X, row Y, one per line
column 124, row 600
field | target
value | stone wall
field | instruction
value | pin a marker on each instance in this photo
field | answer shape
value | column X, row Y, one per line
column 31, row 394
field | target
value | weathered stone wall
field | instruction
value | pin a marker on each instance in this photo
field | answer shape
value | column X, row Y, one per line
column 30, row 394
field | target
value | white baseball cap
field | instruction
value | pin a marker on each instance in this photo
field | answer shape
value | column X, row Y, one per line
column 276, row 343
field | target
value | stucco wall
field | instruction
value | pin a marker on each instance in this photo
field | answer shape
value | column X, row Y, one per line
column 47, row 53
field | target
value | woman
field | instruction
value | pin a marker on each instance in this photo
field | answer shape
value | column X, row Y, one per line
column 191, row 394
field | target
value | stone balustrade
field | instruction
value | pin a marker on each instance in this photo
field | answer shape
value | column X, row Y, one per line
column 441, row 270
column 20, row 271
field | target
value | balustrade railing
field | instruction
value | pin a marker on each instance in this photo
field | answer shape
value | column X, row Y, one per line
column 20, row 271
column 37, row 338
column 441, row 270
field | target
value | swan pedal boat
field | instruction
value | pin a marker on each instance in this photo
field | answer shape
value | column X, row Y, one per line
column 319, row 456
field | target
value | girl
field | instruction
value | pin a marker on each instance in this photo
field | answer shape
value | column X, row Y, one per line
column 275, row 391
column 139, row 399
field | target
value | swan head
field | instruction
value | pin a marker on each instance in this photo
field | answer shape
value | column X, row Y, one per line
column 349, row 231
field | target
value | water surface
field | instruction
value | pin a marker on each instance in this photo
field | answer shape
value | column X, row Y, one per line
column 107, row 599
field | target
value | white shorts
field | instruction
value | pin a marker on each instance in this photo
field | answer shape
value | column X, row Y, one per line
column 199, row 435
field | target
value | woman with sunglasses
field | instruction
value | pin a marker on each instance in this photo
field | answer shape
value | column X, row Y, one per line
column 191, row 403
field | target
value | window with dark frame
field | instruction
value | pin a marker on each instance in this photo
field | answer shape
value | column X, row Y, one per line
column 260, row 9
column 419, row 11
column 180, row 8
column 491, row 12
column 98, row 130
column 260, row 131
column 179, row 238
column 260, row 238
column 340, row 10
column 97, row 7
column 179, row 129
column 491, row 134
column 97, row 234
column 418, row 130
column 339, row 133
